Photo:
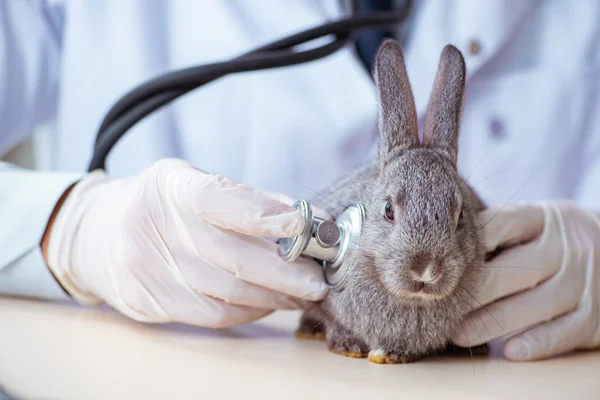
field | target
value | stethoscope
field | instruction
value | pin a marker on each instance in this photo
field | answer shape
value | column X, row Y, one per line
column 330, row 243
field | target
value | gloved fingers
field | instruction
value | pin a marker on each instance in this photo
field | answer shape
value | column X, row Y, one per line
column 547, row 340
column 516, row 269
column 161, row 297
column 163, row 270
column 515, row 313
column 174, row 303
column 200, row 310
column 217, row 200
column 283, row 198
column 130, row 291
column 139, row 306
column 138, row 303
column 509, row 225
column 317, row 212
column 256, row 260
column 243, row 209
column 211, row 280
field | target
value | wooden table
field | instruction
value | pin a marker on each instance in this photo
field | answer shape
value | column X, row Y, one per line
column 57, row 351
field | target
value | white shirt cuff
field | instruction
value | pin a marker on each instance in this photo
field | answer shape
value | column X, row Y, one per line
column 27, row 200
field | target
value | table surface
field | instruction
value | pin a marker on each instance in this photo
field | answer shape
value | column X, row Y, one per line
column 58, row 351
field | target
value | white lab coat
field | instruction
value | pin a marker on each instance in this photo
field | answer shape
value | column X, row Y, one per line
column 530, row 128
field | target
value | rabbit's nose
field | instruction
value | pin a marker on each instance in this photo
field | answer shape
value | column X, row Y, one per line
column 425, row 269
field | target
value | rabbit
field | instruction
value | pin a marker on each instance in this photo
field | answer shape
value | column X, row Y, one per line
column 418, row 267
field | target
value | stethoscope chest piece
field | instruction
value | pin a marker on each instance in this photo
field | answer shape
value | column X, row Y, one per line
column 332, row 244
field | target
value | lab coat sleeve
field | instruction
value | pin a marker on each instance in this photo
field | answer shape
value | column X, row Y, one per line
column 27, row 199
column 30, row 35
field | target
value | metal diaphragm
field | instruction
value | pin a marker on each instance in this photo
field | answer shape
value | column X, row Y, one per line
column 332, row 244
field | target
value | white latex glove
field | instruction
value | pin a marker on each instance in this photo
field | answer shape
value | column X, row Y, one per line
column 175, row 244
column 544, row 290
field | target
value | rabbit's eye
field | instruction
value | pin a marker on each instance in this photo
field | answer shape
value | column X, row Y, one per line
column 461, row 216
column 389, row 211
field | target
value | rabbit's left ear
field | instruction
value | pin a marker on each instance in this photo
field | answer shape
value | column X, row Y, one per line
column 442, row 119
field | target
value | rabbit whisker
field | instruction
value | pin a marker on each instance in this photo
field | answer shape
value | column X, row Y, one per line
column 489, row 266
column 487, row 330
column 489, row 176
column 448, row 260
column 463, row 300
column 506, row 266
column 315, row 192
column 510, row 199
column 327, row 315
column 467, row 340
column 476, row 330
column 389, row 287
column 472, row 359
column 484, row 307
column 480, row 160
column 490, row 187
column 485, row 326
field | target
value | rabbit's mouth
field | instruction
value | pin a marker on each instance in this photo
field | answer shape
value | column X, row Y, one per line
column 425, row 291
column 425, row 278
column 422, row 289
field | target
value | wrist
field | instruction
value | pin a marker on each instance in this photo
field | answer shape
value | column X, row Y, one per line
column 64, row 242
column 45, row 242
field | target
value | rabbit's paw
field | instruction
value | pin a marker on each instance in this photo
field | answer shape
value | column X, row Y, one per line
column 348, row 347
column 380, row 356
column 312, row 325
column 310, row 330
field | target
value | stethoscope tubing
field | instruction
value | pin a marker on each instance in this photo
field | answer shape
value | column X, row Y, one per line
column 158, row 92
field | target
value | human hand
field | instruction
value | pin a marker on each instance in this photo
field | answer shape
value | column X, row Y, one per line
column 544, row 289
column 174, row 244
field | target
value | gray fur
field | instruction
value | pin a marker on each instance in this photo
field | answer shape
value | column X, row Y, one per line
column 398, row 122
column 442, row 119
column 374, row 310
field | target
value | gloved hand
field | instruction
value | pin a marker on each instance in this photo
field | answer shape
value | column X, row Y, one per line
column 174, row 244
column 544, row 290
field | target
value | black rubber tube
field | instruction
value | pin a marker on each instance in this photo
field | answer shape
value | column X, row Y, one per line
column 154, row 94
column 117, row 129
column 193, row 76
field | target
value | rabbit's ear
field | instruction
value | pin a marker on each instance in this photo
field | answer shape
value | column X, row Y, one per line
column 442, row 120
column 397, row 114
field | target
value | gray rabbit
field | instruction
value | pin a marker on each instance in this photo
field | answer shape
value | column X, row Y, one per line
column 418, row 269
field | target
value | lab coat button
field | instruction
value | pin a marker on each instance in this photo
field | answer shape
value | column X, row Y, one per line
column 497, row 130
column 474, row 47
